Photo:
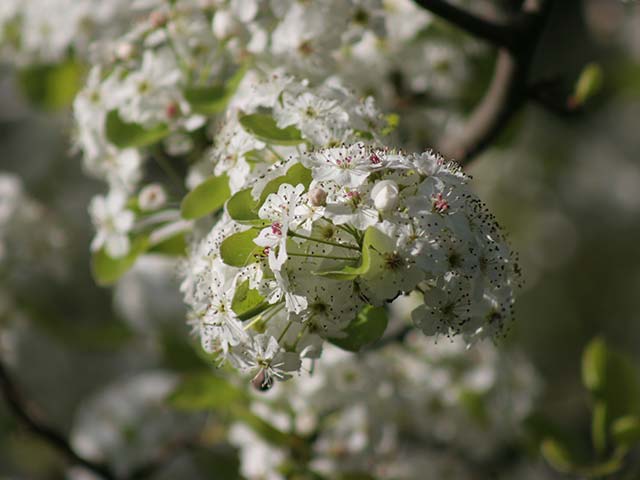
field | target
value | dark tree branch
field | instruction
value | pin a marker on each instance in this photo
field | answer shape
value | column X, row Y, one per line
column 24, row 412
column 508, row 90
column 500, row 35
column 21, row 409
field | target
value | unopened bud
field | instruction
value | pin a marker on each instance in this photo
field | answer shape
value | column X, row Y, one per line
column 124, row 51
column 157, row 19
column 317, row 197
column 152, row 197
column 385, row 195
column 223, row 24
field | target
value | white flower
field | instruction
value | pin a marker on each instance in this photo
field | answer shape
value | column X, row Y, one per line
column 447, row 307
column 280, row 208
column 347, row 166
column 350, row 208
column 314, row 116
column 113, row 223
column 269, row 359
column 215, row 320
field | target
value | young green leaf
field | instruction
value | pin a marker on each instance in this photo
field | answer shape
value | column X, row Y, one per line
column 131, row 135
column 107, row 270
column 247, row 302
column 212, row 99
column 372, row 237
column 205, row 391
column 243, row 208
column 365, row 329
column 239, row 249
column 51, row 86
column 174, row 246
column 558, row 455
column 626, row 430
column 207, row 197
column 264, row 127
column 297, row 174
column 594, row 365
column 612, row 378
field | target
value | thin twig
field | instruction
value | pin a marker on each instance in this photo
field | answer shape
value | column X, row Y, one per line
column 508, row 90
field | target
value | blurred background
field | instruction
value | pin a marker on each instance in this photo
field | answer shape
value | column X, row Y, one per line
column 567, row 189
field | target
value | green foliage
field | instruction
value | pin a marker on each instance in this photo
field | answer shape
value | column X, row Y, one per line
column 207, row 197
column 264, row 127
column 53, row 86
column 107, row 270
column 205, row 391
column 371, row 240
column 243, row 208
column 626, row 430
column 131, row 135
column 247, row 302
column 174, row 246
column 366, row 328
column 297, row 174
column 212, row 99
column 589, row 83
column 614, row 384
column 239, row 249
column 612, row 378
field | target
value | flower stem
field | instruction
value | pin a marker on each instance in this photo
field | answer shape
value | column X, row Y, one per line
column 313, row 255
column 327, row 242
column 284, row 332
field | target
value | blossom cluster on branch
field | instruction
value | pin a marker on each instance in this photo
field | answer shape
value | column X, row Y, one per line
column 302, row 214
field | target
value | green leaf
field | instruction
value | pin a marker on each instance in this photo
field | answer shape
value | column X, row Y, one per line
column 205, row 391
column 594, row 365
column 212, row 99
column 612, row 378
column 264, row 127
column 131, row 135
column 247, row 302
column 393, row 120
column 174, row 246
column 243, row 208
column 107, row 270
column 207, row 197
column 365, row 329
column 588, row 84
column 558, row 455
column 239, row 249
column 372, row 238
column 626, row 430
column 51, row 86
column 297, row 174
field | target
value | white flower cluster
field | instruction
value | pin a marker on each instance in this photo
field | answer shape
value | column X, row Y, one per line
column 166, row 80
column 322, row 224
column 49, row 31
column 312, row 241
column 395, row 412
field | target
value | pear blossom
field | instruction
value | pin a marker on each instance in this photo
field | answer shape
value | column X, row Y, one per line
column 113, row 222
